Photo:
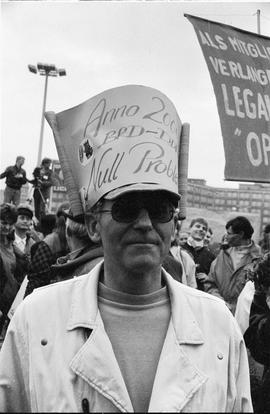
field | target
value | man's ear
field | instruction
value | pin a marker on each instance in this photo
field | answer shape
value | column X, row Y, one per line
column 93, row 227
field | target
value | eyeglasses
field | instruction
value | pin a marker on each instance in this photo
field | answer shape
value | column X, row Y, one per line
column 127, row 210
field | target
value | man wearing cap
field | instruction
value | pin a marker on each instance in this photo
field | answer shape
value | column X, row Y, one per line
column 22, row 226
column 126, row 337
column 15, row 178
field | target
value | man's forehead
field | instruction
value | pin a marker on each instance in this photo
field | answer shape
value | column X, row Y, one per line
column 199, row 223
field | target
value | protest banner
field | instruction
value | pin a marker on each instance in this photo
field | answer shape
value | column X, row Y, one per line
column 239, row 65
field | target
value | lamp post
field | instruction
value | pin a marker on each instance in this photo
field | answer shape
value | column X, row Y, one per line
column 46, row 70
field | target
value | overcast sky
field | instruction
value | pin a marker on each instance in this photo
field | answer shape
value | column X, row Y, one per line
column 107, row 44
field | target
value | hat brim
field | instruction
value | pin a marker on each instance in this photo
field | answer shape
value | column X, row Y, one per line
column 139, row 187
column 78, row 219
column 25, row 212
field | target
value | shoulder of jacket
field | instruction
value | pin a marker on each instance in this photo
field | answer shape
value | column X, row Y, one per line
column 46, row 294
column 205, row 306
column 195, row 294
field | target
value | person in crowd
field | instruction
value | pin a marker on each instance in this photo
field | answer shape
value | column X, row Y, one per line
column 198, row 251
column 182, row 238
column 56, row 240
column 15, row 177
column 22, row 228
column 229, row 271
column 47, row 224
column 8, row 283
column 264, row 243
column 42, row 182
column 257, row 336
column 213, row 246
column 13, row 262
column 22, row 240
column 126, row 337
column 208, row 237
column 83, row 253
column 45, row 253
column 242, row 315
column 188, row 267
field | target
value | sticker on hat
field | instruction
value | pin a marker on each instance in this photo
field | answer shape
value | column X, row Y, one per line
column 124, row 137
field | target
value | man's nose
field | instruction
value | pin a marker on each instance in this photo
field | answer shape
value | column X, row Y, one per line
column 143, row 219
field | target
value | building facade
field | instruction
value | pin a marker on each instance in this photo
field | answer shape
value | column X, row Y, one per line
column 247, row 198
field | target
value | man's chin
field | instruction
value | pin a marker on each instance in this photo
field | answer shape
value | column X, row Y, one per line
column 143, row 262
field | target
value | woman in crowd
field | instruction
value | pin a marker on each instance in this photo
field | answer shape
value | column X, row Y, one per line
column 8, row 283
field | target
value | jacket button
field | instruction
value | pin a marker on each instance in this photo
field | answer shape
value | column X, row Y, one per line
column 44, row 342
column 220, row 355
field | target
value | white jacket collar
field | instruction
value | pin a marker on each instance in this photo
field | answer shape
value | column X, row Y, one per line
column 84, row 307
column 177, row 378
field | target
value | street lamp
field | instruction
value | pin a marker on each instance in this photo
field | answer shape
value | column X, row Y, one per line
column 46, row 70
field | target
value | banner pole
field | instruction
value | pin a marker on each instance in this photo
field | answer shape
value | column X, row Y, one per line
column 258, row 21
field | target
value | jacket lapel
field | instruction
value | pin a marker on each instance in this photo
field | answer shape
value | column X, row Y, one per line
column 177, row 378
column 96, row 364
column 95, row 361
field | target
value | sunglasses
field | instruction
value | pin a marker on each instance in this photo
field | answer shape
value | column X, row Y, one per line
column 127, row 210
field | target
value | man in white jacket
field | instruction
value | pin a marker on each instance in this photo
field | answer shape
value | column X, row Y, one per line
column 126, row 337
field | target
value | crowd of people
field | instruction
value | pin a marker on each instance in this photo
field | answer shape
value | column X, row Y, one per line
column 60, row 248
column 42, row 181
column 125, row 309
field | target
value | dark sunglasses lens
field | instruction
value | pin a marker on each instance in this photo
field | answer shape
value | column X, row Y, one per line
column 160, row 210
column 126, row 211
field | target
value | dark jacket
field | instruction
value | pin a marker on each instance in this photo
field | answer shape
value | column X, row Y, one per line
column 15, row 177
column 203, row 258
column 257, row 338
column 81, row 264
column 8, row 283
column 43, row 181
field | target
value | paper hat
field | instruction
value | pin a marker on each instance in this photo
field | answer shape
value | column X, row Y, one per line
column 126, row 138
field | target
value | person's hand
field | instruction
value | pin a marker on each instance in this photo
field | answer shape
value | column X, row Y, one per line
column 35, row 220
column 201, row 276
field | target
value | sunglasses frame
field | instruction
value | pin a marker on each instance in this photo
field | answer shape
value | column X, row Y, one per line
column 140, row 206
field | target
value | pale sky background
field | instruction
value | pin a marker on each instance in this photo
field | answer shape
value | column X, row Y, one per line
column 105, row 44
